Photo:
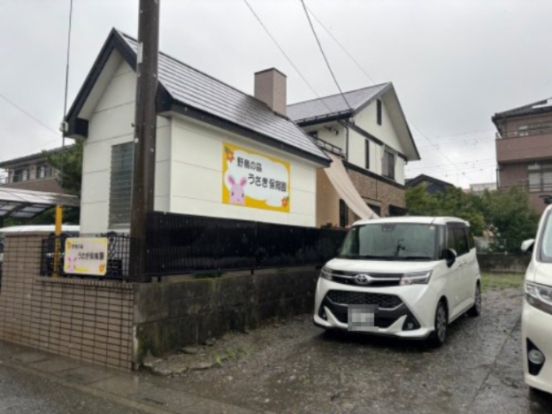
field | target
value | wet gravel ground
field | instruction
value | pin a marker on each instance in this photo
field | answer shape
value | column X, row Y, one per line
column 295, row 367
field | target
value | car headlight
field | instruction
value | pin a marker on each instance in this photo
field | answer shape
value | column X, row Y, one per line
column 539, row 296
column 326, row 273
column 416, row 278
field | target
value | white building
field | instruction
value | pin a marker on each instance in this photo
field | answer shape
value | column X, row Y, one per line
column 205, row 128
column 223, row 153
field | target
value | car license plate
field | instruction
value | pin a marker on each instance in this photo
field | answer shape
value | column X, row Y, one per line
column 361, row 318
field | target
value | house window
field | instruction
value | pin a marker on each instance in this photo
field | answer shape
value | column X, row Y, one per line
column 376, row 209
column 379, row 111
column 343, row 214
column 367, row 154
column 540, row 177
column 21, row 174
column 44, row 171
column 120, row 190
column 396, row 211
column 388, row 167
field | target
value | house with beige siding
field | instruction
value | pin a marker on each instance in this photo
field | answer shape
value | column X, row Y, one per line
column 367, row 130
column 32, row 172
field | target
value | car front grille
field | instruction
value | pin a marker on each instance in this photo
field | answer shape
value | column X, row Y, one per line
column 376, row 279
column 343, row 297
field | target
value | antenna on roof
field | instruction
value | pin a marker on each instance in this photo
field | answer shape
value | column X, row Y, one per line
column 66, row 92
column 59, row 206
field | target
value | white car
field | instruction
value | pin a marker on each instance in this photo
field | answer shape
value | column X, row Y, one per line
column 537, row 308
column 407, row 277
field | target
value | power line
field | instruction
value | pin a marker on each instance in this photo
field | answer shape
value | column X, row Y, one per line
column 478, row 161
column 28, row 114
column 435, row 147
column 353, row 59
column 281, row 49
column 324, row 54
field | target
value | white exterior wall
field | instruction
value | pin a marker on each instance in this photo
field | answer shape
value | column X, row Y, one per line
column 367, row 120
column 399, row 170
column 111, row 124
column 196, row 176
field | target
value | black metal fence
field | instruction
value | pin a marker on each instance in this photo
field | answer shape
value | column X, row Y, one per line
column 178, row 243
column 118, row 252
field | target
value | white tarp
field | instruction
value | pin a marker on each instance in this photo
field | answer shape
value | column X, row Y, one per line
column 338, row 176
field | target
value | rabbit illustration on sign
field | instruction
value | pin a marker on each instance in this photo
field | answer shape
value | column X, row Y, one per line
column 237, row 192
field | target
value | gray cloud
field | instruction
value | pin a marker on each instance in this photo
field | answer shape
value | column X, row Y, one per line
column 454, row 63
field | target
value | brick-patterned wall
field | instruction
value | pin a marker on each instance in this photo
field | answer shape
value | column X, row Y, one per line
column 91, row 320
column 378, row 190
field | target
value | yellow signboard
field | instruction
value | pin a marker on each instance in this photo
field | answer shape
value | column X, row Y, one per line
column 85, row 256
column 252, row 179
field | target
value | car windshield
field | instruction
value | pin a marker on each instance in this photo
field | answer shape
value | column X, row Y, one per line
column 391, row 241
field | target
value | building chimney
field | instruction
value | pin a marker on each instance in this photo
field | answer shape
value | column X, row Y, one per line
column 270, row 87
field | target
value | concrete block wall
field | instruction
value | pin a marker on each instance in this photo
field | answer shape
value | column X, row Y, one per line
column 116, row 324
column 90, row 320
column 189, row 310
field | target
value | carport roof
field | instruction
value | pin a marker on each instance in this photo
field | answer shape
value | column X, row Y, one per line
column 19, row 203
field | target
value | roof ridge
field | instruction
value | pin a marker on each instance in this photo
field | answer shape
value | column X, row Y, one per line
column 529, row 105
column 36, row 154
column 337, row 94
column 198, row 70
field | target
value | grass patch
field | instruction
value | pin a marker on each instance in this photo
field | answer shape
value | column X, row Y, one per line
column 492, row 281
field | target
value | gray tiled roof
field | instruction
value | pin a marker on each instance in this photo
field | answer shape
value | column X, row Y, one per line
column 333, row 105
column 536, row 107
column 201, row 91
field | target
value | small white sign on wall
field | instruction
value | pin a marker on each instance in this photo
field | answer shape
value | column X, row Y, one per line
column 86, row 256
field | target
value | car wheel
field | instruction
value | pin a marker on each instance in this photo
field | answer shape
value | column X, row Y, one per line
column 439, row 334
column 475, row 310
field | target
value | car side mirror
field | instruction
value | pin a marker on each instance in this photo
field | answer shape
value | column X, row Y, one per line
column 450, row 256
column 527, row 245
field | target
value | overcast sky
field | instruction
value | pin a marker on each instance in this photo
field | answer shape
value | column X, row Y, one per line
column 453, row 63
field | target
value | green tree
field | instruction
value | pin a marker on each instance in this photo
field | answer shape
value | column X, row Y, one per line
column 454, row 202
column 510, row 214
column 69, row 164
column 506, row 213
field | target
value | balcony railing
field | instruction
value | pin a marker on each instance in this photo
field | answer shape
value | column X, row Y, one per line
column 528, row 132
column 334, row 149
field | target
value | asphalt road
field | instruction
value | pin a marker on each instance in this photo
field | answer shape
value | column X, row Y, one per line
column 23, row 392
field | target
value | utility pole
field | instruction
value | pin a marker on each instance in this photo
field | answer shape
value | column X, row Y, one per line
column 145, row 124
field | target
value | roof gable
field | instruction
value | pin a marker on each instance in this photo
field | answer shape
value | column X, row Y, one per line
column 423, row 178
column 191, row 92
column 319, row 109
column 334, row 107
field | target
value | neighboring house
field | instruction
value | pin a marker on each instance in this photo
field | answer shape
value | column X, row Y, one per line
column 368, row 131
column 433, row 185
column 480, row 188
column 32, row 172
column 220, row 152
column 524, row 150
